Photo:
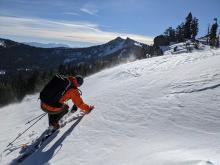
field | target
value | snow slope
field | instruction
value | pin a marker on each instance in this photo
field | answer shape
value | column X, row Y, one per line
column 158, row 111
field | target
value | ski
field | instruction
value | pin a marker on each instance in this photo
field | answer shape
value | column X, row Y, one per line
column 70, row 117
column 29, row 150
column 46, row 137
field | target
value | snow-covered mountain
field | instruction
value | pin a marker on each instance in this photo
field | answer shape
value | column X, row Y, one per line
column 46, row 45
column 16, row 55
column 158, row 111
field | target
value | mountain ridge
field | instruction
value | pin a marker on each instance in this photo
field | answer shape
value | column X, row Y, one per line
column 17, row 55
column 46, row 45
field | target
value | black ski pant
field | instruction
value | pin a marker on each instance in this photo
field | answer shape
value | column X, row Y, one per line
column 55, row 117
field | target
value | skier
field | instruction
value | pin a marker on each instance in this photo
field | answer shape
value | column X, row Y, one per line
column 56, row 113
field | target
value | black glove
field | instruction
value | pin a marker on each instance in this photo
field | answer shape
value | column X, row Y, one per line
column 74, row 108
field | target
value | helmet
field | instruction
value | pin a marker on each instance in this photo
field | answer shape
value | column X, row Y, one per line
column 79, row 79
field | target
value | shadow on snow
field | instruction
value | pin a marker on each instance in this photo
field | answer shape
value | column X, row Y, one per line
column 40, row 157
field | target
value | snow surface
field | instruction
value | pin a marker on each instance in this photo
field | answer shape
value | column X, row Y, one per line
column 183, row 47
column 158, row 111
column 2, row 43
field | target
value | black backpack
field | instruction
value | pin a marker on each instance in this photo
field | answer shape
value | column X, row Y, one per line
column 54, row 90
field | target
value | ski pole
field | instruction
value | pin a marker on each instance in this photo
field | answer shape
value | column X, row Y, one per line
column 19, row 135
column 34, row 118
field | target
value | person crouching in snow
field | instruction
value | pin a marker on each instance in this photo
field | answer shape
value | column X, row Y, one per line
column 66, row 88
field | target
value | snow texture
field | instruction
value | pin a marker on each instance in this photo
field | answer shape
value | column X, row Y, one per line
column 158, row 111
column 2, row 43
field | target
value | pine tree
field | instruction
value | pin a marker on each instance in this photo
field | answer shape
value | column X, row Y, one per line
column 180, row 33
column 213, row 33
column 187, row 27
column 170, row 34
column 191, row 27
column 217, row 43
column 208, row 33
column 194, row 28
column 32, row 82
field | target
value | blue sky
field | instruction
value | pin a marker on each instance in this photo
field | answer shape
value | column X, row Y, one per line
column 81, row 23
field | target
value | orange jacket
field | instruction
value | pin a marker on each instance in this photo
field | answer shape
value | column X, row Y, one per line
column 72, row 94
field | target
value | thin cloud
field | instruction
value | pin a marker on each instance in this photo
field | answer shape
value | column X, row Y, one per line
column 90, row 9
column 71, row 13
column 61, row 31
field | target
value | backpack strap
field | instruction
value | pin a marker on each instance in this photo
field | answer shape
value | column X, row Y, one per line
column 80, row 92
column 71, row 85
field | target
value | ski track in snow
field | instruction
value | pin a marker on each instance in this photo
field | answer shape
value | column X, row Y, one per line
column 158, row 111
